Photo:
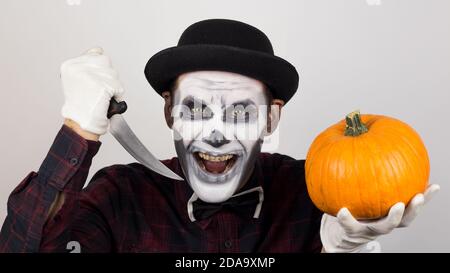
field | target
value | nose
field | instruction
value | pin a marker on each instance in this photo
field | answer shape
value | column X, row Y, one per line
column 216, row 139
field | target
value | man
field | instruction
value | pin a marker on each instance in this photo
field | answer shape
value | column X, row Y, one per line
column 218, row 84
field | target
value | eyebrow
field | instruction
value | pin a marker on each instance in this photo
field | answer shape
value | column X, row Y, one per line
column 244, row 103
column 190, row 101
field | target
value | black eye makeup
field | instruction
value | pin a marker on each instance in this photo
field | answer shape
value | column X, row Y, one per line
column 241, row 112
column 195, row 109
column 244, row 111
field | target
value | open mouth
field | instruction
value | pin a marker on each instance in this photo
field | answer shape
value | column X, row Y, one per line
column 215, row 164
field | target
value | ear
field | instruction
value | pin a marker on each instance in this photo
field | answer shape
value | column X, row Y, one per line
column 168, row 107
column 273, row 116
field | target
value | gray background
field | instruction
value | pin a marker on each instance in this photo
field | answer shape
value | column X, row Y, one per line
column 388, row 57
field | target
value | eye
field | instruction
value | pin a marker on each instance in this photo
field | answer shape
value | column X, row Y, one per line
column 196, row 110
column 198, row 113
column 240, row 114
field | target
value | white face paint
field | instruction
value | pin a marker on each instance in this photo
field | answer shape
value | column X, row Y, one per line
column 219, row 122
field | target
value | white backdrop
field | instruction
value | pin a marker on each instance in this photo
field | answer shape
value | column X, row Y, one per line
column 387, row 57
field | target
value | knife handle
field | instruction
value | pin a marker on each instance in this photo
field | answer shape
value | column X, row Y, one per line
column 116, row 107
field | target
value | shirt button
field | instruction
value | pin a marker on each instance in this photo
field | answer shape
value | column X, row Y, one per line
column 73, row 161
column 228, row 244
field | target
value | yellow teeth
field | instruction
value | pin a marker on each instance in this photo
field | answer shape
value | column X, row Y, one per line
column 215, row 158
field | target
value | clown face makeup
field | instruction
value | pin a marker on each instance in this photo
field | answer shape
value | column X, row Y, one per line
column 219, row 120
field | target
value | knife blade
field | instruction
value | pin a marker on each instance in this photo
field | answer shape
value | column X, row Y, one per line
column 122, row 132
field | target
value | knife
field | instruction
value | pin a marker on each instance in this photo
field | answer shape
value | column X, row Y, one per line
column 124, row 135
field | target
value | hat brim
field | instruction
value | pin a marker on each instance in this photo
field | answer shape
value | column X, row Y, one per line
column 280, row 76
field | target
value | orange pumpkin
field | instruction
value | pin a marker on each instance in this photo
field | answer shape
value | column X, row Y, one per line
column 366, row 163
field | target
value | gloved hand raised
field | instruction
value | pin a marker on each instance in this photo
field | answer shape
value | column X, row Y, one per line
column 346, row 234
column 89, row 82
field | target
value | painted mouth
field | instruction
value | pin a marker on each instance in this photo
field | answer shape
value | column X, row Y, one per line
column 215, row 164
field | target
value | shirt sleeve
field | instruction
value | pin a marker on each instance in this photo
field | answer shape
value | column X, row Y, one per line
column 82, row 224
column 65, row 169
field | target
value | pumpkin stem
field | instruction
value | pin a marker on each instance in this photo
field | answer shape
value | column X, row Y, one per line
column 355, row 126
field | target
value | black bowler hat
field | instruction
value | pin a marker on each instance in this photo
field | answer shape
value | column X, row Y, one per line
column 224, row 45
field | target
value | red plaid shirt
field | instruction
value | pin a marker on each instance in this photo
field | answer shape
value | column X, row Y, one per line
column 129, row 208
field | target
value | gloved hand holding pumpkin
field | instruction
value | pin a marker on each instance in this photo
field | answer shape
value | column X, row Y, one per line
column 361, row 172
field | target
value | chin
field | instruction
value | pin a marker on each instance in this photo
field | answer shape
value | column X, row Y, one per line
column 214, row 193
column 215, row 176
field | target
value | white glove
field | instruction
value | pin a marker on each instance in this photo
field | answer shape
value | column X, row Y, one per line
column 346, row 234
column 89, row 82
